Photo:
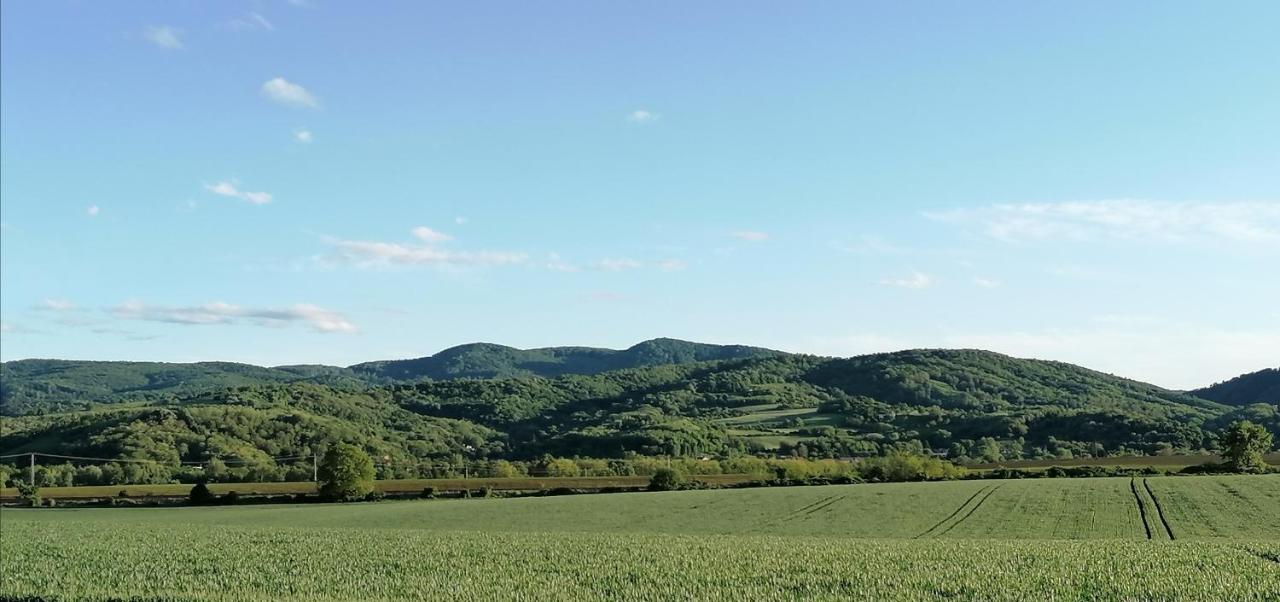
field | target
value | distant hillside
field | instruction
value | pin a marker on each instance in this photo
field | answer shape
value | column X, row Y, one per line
column 486, row 360
column 1262, row 386
column 964, row 404
column 41, row 386
column 28, row 386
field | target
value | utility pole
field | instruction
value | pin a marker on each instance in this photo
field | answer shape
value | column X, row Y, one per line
column 33, row 469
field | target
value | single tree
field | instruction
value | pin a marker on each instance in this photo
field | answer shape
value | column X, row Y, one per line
column 666, row 479
column 346, row 473
column 1244, row 444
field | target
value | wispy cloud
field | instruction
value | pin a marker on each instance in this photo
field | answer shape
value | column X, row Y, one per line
column 643, row 116
column 316, row 318
column 92, row 211
column 916, row 280
column 750, row 235
column 303, row 135
column 428, row 235
column 986, row 282
column 368, row 254
column 618, row 265
column 57, row 305
column 229, row 189
column 557, row 264
column 868, row 245
column 672, row 265
column 164, row 36
column 250, row 22
column 1124, row 219
column 289, row 94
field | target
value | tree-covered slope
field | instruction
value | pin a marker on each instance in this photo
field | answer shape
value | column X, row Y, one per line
column 34, row 386
column 486, row 360
column 39, row 386
column 1262, row 386
column 965, row 404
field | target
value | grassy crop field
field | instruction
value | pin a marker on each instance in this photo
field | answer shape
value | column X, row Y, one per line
column 1160, row 538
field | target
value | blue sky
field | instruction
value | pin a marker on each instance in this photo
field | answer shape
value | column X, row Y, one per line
column 281, row 182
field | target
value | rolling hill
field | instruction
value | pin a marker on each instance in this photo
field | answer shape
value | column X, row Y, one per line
column 967, row 405
column 39, row 386
column 1262, row 386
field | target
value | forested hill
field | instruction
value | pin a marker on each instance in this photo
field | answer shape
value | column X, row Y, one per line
column 37, row 386
column 964, row 404
column 486, row 360
column 1262, row 386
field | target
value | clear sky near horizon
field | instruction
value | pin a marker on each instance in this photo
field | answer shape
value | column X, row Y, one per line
column 335, row 182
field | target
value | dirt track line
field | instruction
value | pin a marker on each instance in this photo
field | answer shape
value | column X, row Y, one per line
column 801, row 509
column 1142, row 508
column 1159, row 511
column 953, row 513
column 971, row 510
column 825, row 505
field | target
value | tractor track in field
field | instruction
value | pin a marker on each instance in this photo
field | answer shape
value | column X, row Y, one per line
column 975, row 507
column 1142, row 507
column 802, row 509
column 1159, row 511
column 824, row 505
column 958, row 509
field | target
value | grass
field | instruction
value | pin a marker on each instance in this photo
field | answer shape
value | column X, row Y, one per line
column 1060, row 539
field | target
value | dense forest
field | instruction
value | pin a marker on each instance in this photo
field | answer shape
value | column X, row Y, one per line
column 1262, row 386
column 238, row 421
column 42, row 386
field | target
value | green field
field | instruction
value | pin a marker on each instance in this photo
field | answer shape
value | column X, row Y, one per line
column 1062, row 539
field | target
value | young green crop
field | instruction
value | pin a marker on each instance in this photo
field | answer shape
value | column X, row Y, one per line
column 968, row 540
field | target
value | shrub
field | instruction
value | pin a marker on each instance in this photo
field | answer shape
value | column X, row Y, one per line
column 666, row 479
column 230, row 498
column 29, row 493
column 428, row 493
column 200, row 494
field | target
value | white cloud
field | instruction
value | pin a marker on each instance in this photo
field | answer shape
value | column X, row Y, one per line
column 92, row 210
column 381, row 254
column 460, row 220
column 288, row 93
column 916, row 280
column 229, row 189
column 986, row 282
column 618, row 265
column 428, row 235
column 868, row 245
column 57, row 305
column 1123, row 219
column 556, row 264
column 7, row 327
column 672, row 265
column 750, row 235
column 643, row 116
column 317, row 318
column 251, row 21
column 302, row 135
column 164, row 37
